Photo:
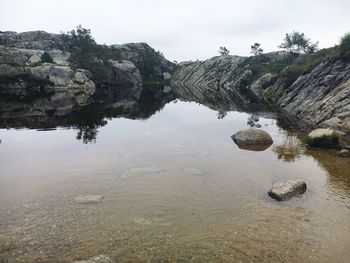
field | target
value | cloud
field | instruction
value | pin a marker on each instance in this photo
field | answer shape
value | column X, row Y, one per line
column 184, row 29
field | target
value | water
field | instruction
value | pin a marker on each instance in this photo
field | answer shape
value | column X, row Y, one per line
column 176, row 189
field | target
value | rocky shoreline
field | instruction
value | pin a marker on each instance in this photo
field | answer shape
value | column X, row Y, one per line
column 38, row 78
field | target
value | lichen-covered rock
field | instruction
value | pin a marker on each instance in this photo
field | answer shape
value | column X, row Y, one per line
column 322, row 94
column 252, row 137
column 32, row 40
column 259, row 86
column 285, row 190
column 127, row 78
column 149, row 62
column 324, row 138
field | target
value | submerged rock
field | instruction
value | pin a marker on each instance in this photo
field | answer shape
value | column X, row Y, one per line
column 97, row 259
column 285, row 190
column 192, row 171
column 344, row 153
column 88, row 199
column 252, row 139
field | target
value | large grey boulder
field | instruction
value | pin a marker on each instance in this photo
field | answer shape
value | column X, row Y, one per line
column 147, row 60
column 317, row 133
column 285, row 190
column 127, row 77
column 261, row 84
column 252, row 139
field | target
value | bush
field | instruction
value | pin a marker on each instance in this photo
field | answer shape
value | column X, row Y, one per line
column 344, row 47
column 325, row 141
column 46, row 58
column 87, row 54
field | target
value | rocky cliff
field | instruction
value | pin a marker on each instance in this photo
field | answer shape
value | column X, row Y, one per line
column 37, row 72
column 315, row 88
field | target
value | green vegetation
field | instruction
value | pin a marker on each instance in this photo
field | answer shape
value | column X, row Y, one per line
column 46, row 58
column 223, row 51
column 325, row 141
column 256, row 50
column 344, row 47
column 297, row 43
column 306, row 64
column 87, row 54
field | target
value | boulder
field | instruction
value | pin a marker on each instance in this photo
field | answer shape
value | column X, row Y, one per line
column 166, row 76
column 285, row 190
column 261, row 84
column 128, row 79
column 252, row 139
column 147, row 60
column 344, row 153
column 322, row 132
column 88, row 199
column 323, row 138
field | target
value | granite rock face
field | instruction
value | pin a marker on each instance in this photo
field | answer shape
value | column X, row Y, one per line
column 32, row 40
column 149, row 62
column 321, row 95
column 128, row 77
column 320, row 98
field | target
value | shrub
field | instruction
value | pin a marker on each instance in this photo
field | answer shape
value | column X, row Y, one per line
column 46, row 58
column 344, row 47
column 223, row 51
column 298, row 43
column 87, row 54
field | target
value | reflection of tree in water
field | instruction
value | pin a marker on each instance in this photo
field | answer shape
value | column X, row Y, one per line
column 88, row 133
column 221, row 114
column 87, row 123
column 291, row 149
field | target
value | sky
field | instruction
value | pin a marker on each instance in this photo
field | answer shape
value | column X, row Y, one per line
column 184, row 29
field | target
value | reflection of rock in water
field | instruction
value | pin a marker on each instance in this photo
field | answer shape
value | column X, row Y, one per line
column 291, row 149
column 86, row 120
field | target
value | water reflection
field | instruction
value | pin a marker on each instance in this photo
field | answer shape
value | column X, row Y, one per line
column 173, row 186
column 291, row 149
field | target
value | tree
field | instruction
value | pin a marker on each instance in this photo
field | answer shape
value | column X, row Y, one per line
column 344, row 47
column 223, row 51
column 46, row 58
column 297, row 43
column 81, row 45
column 256, row 50
column 87, row 54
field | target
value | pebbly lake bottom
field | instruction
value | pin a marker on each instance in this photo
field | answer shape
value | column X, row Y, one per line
column 176, row 189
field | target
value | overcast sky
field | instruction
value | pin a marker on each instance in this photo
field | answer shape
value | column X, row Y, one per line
column 184, row 29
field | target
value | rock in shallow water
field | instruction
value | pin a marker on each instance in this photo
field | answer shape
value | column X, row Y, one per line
column 344, row 153
column 245, row 139
column 285, row 190
column 97, row 259
column 88, row 199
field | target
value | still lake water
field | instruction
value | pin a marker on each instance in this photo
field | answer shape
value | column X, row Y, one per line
column 176, row 189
